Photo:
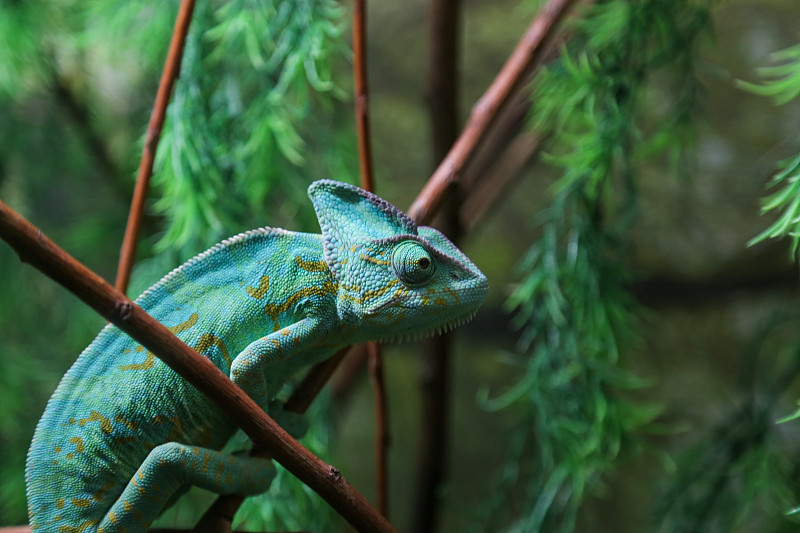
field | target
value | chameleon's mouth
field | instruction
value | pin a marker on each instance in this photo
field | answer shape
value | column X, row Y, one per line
column 430, row 332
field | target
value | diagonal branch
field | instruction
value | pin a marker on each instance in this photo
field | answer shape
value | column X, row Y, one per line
column 172, row 67
column 34, row 247
column 511, row 78
column 435, row 360
column 375, row 353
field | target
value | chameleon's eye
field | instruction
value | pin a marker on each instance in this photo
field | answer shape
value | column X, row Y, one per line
column 412, row 263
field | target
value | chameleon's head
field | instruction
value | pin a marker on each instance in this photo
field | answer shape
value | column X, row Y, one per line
column 396, row 280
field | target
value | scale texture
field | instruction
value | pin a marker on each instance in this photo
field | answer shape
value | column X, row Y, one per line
column 124, row 435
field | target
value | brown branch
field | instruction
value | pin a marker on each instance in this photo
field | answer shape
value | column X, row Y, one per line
column 34, row 247
column 443, row 75
column 511, row 78
column 361, row 94
column 368, row 183
column 349, row 371
column 496, row 180
column 444, row 28
column 170, row 73
column 382, row 433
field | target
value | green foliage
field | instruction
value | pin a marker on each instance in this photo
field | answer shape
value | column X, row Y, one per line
column 750, row 461
column 746, row 460
column 250, row 116
column 255, row 78
column 786, row 200
column 575, row 315
column 21, row 63
column 781, row 82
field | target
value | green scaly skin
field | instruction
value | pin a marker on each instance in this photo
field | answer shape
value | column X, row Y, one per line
column 123, row 435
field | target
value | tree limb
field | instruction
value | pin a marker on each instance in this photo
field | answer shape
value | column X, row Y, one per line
column 34, row 247
column 434, row 372
column 172, row 67
column 511, row 78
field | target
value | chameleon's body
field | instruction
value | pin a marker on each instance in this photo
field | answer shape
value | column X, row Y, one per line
column 123, row 434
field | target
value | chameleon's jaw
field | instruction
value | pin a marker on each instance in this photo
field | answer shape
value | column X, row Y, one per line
column 424, row 333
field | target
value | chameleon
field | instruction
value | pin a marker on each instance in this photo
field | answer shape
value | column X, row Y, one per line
column 123, row 435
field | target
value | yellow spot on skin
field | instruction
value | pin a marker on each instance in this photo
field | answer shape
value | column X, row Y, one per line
column 364, row 296
column 183, row 326
column 310, row 266
column 78, row 442
column 57, row 449
column 147, row 364
column 219, row 473
column 60, row 503
column 273, row 310
column 97, row 496
column 83, row 527
column 94, row 416
column 177, row 431
column 261, row 291
column 440, row 301
column 81, row 502
column 454, row 295
column 206, row 459
column 133, row 426
column 374, row 260
column 150, row 359
column 208, row 340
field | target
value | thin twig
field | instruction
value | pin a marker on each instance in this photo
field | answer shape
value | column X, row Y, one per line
column 512, row 76
column 497, row 179
column 434, row 378
column 172, row 67
column 374, row 350
column 361, row 94
column 34, row 247
column 382, row 433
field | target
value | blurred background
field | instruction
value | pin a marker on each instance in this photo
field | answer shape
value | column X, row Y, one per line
column 630, row 367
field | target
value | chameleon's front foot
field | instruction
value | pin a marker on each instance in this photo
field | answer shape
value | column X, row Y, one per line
column 171, row 466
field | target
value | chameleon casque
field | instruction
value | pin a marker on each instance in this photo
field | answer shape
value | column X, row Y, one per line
column 123, row 435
